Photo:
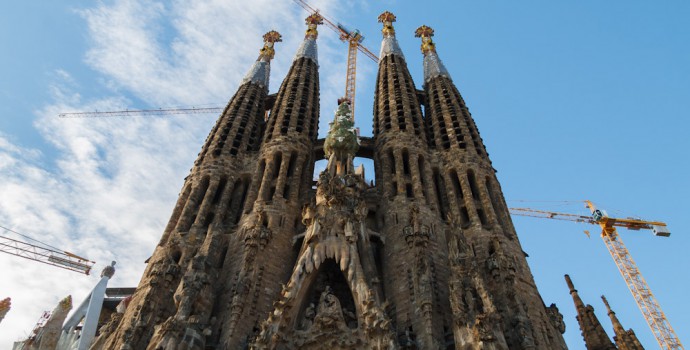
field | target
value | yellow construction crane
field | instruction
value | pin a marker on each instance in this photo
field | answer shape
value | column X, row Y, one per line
column 354, row 39
column 43, row 253
column 657, row 321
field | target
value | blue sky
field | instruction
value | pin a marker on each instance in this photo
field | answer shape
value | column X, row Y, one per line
column 585, row 100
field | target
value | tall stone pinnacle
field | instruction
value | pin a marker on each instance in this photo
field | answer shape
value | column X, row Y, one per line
column 625, row 340
column 592, row 331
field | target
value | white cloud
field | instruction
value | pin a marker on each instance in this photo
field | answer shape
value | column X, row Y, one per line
column 111, row 185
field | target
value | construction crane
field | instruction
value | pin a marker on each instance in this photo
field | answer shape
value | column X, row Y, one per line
column 43, row 253
column 142, row 112
column 354, row 39
column 655, row 317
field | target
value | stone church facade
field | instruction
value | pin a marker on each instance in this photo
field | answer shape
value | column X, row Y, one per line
column 257, row 255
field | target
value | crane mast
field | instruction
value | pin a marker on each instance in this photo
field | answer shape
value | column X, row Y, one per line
column 354, row 39
column 649, row 306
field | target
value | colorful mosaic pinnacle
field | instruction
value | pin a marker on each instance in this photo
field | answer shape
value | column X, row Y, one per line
column 270, row 38
column 387, row 18
column 312, row 22
column 426, row 33
column 342, row 137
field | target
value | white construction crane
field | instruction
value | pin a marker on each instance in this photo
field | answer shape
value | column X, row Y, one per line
column 43, row 253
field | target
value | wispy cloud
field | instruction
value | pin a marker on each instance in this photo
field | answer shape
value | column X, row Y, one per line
column 109, row 190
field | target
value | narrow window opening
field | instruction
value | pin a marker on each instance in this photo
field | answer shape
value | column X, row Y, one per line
column 243, row 198
column 422, row 177
column 457, row 188
column 292, row 164
column 482, row 216
column 176, row 256
column 473, row 184
column 495, row 202
column 221, row 259
column 439, row 187
column 406, row 162
column 209, row 219
column 219, row 190
column 464, row 217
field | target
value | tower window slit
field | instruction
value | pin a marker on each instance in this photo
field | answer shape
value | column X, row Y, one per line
column 482, row 217
column 495, row 202
column 464, row 217
column 219, row 189
column 243, row 198
column 221, row 258
column 391, row 161
column 422, row 173
column 408, row 190
column 406, row 162
column 233, row 202
column 439, row 187
column 305, row 176
column 457, row 188
column 292, row 164
column 473, row 185
column 208, row 219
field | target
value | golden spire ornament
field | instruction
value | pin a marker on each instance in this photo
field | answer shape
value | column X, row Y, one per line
column 387, row 18
column 426, row 33
column 312, row 22
column 267, row 52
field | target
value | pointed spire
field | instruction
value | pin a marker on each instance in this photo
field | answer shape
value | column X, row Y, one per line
column 260, row 71
column 626, row 340
column 612, row 315
column 433, row 67
column 593, row 333
column 308, row 47
column 389, row 45
column 573, row 292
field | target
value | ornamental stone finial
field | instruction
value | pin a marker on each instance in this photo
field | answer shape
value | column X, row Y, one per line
column 267, row 52
column 109, row 271
column 312, row 22
column 426, row 33
column 387, row 18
